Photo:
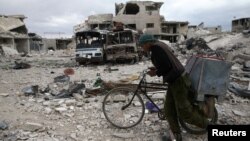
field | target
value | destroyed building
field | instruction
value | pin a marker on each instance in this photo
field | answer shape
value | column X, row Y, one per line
column 100, row 21
column 145, row 16
column 13, row 33
column 96, row 22
column 36, row 42
column 56, row 44
column 142, row 16
column 172, row 30
column 238, row 25
column 214, row 29
column 202, row 30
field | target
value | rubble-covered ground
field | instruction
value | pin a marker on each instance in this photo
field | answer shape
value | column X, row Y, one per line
column 80, row 118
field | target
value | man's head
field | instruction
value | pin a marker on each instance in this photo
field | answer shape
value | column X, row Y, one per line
column 145, row 41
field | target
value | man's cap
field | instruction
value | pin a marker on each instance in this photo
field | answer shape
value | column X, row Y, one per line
column 145, row 38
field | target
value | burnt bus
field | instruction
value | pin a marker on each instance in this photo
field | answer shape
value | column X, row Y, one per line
column 90, row 47
column 122, row 46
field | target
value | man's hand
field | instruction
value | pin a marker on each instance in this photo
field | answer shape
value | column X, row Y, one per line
column 152, row 72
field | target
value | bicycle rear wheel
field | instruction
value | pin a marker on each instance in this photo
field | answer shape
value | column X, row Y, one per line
column 192, row 129
column 123, row 118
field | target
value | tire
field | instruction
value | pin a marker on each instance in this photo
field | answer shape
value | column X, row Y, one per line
column 112, row 108
column 192, row 129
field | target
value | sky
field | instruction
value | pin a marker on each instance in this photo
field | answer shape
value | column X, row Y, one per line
column 47, row 17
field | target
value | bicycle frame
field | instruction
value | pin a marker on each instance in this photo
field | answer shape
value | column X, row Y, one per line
column 143, row 86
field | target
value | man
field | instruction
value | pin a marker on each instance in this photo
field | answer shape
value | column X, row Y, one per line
column 179, row 97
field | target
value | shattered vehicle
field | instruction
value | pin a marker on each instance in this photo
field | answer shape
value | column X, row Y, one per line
column 90, row 47
column 122, row 46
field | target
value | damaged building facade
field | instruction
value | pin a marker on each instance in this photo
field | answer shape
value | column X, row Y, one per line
column 239, row 25
column 95, row 22
column 56, row 44
column 36, row 43
column 144, row 16
column 202, row 30
column 13, row 33
column 173, row 30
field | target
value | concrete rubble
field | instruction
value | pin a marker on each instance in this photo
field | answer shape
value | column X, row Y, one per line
column 80, row 117
column 40, row 100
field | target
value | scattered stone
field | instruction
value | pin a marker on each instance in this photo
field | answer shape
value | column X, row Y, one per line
column 74, row 136
column 79, row 104
column 148, row 123
column 4, row 94
column 30, row 90
column 71, row 107
column 70, row 102
column 77, row 96
column 159, row 96
column 46, row 103
column 70, row 115
column 247, row 64
column 9, row 137
column 39, row 100
column 32, row 127
column 124, row 135
column 3, row 125
column 61, row 109
column 48, row 110
column 239, row 113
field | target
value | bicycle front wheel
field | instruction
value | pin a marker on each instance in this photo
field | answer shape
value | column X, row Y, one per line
column 119, row 112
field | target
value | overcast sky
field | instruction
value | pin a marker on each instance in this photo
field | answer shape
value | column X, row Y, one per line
column 61, row 15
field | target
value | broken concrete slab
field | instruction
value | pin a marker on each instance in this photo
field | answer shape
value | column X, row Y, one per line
column 124, row 135
column 77, row 96
column 31, row 126
column 7, row 51
column 70, row 102
column 48, row 110
column 239, row 113
column 4, row 94
column 159, row 95
column 61, row 109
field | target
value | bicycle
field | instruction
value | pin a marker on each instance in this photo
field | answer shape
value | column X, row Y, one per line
column 124, row 108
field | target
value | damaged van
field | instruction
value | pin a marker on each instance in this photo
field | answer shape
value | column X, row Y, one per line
column 90, row 47
column 122, row 46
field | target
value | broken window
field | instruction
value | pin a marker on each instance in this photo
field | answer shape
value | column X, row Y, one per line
column 113, row 38
column 131, row 26
column 150, row 25
column 235, row 23
column 93, row 26
column 126, row 37
column 104, row 26
column 88, row 40
column 131, row 9
column 174, row 30
column 120, row 38
column 151, row 8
